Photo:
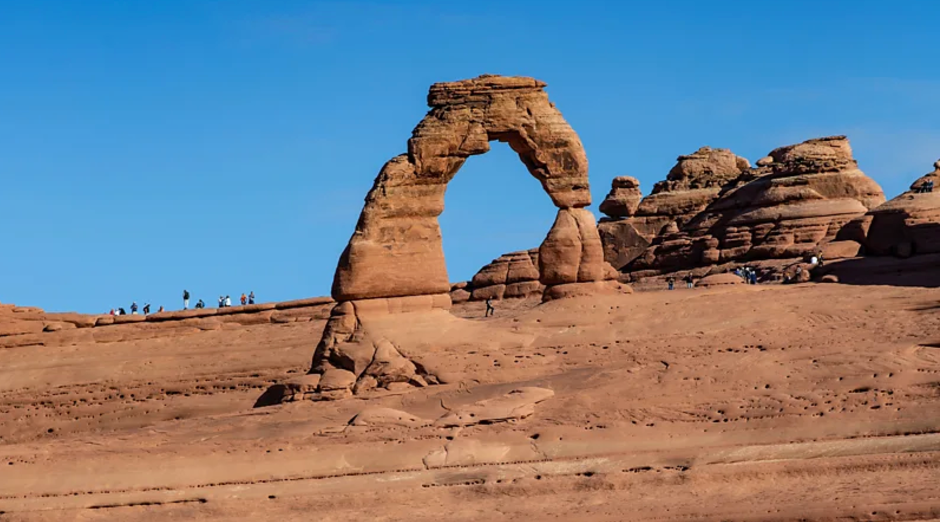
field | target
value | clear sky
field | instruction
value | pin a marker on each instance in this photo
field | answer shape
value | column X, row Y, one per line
column 226, row 146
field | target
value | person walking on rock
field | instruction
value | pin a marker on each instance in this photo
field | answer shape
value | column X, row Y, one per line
column 186, row 299
column 489, row 311
column 251, row 297
column 243, row 299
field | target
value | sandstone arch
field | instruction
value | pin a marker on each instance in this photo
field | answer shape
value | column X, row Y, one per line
column 396, row 248
column 394, row 261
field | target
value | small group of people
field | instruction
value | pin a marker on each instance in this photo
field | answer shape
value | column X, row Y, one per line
column 748, row 274
column 687, row 279
column 223, row 302
column 145, row 309
column 925, row 186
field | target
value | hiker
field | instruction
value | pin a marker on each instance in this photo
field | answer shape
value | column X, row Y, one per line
column 186, row 299
column 134, row 308
column 121, row 311
column 161, row 309
column 243, row 299
column 146, row 308
column 200, row 305
column 670, row 283
column 489, row 311
column 753, row 277
column 251, row 297
column 689, row 280
column 111, row 312
column 222, row 302
column 814, row 260
column 228, row 302
column 820, row 258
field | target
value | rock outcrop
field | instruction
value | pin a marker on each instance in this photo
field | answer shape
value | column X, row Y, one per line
column 691, row 185
column 511, row 275
column 906, row 225
column 793, row 203
column 394, row 260
column 624, row 198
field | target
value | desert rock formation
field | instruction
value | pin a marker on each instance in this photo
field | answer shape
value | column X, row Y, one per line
column 394, row 260
column 793, row 203
column 515, row 274
column 907, row 224
column 691, row 185
column 623, row 200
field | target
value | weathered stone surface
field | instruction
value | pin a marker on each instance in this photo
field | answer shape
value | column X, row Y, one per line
column 784, row 209
column 508, row 270
column 907, row 224
column 840, row 249
column 396, row 248
column 379, row 416
column 518, row 404
column 725, row 278
column 572, row 250
column 691, row 185
column 623, row 200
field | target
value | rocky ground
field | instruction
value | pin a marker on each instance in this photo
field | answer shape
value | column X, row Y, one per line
column 767, row 402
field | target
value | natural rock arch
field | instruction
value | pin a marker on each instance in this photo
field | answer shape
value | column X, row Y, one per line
column 396, row 249
column 394, row 261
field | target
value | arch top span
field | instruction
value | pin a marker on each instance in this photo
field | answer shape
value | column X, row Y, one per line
column 396, row 249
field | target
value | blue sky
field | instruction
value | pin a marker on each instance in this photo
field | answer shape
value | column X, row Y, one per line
column 226, row 146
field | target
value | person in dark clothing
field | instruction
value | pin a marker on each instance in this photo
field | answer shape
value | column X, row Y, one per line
column 489, row 311
column 251, row 297
column 134, row 308
column 121, row 311
column 689, row 280
column 186, row 299
column 200, row 304
column 670, row 283
column 752, row 277
column 146, row 308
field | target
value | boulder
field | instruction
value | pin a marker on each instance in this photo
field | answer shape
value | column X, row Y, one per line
column 513, row 269
column 572, row 250
column 840, row 250
column 623, row 200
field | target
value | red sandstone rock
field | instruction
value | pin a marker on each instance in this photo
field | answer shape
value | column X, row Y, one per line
column 624, row 198
column 907, row 224
column 720, row 280
column 516, row 271
column 785, row 209
column 396, row 248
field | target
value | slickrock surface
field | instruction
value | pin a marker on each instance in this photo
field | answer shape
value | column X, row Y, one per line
column 734, row 402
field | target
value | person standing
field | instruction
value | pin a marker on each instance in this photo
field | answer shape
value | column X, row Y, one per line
column 228, row 302
column 134, row 308
column 161, row 309
column 222, row 302
column 243, row 299
column 111, row 312
column 251, row 297
column 186, row 299
column 670, row 283
column 489, row 310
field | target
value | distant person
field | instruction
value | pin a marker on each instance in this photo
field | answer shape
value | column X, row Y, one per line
column 228, row 302
column 243, row 299
column 186, row 299
column 200, row 304
column 222, row 302
column 161, row 309
column 134, row 308
column 121, row 311
column 251, row 297
column 820, row 258
column 670, row 283
column 489, row 311
column 689, row 280
column 111, row 312
column 146, row 308
column 753, row 277
column 814, row 260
